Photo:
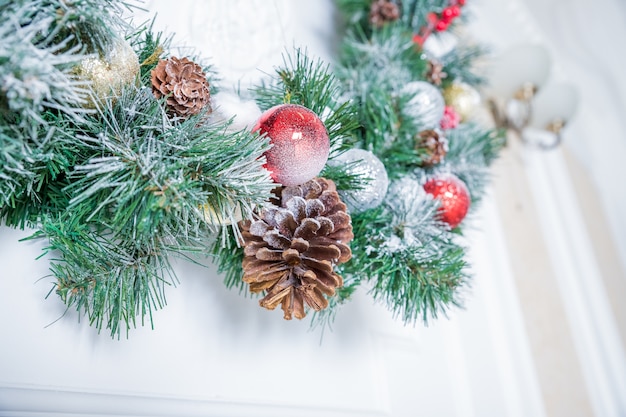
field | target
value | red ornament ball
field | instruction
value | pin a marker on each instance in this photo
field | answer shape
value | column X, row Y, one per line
column 300, row 143
column 453, row 195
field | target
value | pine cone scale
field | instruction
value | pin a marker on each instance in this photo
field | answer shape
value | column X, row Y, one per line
column 265, row 254
column 277, row 240
column 315, row 299
column 331, row 252
column 301, row 245
column 324, row 266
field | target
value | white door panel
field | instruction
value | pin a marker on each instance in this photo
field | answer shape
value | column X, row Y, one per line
column 214, row 352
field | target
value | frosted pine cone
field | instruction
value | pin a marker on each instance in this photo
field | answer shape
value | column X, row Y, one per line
column 383, row 11
column 433, row 145
column 435, row 73
column 183, row 83
column 292, row 249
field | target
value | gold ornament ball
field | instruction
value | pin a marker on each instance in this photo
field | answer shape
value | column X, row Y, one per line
column 463, row 98
column 108, row 73
column 214, row 218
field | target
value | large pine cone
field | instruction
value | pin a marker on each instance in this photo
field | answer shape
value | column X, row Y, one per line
column 183, row 83
column 291, row 250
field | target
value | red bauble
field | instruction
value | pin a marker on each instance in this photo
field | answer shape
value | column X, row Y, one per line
column 300, row 143
column 453, row 195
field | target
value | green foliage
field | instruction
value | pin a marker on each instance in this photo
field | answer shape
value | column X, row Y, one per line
column 460, row 64
column 414, row 265
column 375, row 71
column 89, row 25
column 301, row 80
column 107, row 277
column 472, row 149
column 411, row 262
column 119, row 190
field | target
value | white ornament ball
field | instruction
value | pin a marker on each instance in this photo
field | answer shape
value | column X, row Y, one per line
column 364, row 164
column 230, row 106
column 426, row 104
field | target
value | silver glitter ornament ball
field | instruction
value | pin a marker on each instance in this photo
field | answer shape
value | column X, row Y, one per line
column 364, row 164
column 425, row 104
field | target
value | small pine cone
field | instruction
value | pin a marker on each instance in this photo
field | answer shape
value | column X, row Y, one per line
column 292, row 249
column 435, row 73
column 183, row 83
column 383, row 11
column 435, row 147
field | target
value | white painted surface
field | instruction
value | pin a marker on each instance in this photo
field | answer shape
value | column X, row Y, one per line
column 215, row 353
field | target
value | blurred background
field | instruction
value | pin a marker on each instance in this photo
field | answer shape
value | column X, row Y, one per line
column 543, row 330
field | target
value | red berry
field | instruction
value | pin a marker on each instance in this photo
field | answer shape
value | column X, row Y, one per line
column 432, row 18
column 461, row 2
column 418, row 39
column 447, row 13
column 456, row 11
column 441, row 26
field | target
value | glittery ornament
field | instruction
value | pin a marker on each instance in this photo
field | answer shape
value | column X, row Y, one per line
column 426, row 103
column 107, row 74
column 453, row 195
column 366, row 165
column 300, row 143
column 463, row 98
column 451, row 119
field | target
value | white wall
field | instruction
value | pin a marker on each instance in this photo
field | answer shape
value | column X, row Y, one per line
column 213, row 352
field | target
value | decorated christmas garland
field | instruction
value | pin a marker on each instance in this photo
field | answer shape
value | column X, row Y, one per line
column 119, row 153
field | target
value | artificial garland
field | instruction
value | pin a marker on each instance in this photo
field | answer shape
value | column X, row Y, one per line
column 113, row 148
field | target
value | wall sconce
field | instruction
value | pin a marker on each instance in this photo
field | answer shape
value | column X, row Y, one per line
column 523, row 101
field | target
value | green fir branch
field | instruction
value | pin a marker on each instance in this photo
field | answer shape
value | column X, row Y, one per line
column 109, row 279
column 375, row 71
column 461, row 64
column 413, row 262
column 310, row 83
column 471, row 149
